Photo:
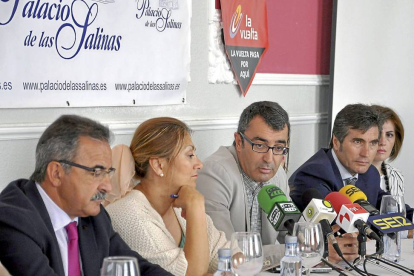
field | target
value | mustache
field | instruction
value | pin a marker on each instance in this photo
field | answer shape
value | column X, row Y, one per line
column 100, row 195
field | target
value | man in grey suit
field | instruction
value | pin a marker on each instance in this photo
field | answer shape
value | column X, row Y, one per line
column 54, row 224
column 233, row 175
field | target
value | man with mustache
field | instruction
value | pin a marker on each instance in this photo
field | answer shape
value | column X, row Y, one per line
column 354, row 143
column 54, row 224
column 233, row 176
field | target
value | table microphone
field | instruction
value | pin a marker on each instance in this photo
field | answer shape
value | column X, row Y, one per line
column 321, row 211
column 357, row 196
column 281, row 213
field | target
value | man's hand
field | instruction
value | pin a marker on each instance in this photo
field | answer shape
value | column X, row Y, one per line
column 348, row 244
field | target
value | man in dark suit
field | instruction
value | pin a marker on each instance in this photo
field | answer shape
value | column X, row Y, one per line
column 54, row 224
column 354, row 144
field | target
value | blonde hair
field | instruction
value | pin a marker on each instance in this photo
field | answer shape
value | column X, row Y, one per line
column 161, row 137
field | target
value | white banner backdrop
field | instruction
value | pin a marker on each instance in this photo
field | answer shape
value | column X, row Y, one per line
column 56, row 53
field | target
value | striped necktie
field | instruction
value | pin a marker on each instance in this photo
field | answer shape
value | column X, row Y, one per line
column 350, row 181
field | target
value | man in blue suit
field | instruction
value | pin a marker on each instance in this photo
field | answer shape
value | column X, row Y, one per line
column 354, row 144
column 54, row 224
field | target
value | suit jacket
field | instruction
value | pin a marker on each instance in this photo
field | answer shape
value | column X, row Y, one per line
column 28, row 242
column 320, row 172
column 221, row 183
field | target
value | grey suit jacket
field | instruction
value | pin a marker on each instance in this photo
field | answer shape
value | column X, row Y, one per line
column 221, row 183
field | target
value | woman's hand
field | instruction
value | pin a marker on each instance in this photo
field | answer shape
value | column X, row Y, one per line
column 189, row 200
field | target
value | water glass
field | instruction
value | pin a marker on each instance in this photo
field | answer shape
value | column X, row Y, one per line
column 392, row 247
column 120, row 266
column 247, row 253
column 310, row 243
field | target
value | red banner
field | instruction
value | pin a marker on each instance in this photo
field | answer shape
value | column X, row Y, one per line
column 245, row 36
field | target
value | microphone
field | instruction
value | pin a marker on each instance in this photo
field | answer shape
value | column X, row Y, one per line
column 320, row 210
column 390, row 223
column 357, row 196
column 348, row 213
column 281, row 213
column 317, row 208
column 384, row 224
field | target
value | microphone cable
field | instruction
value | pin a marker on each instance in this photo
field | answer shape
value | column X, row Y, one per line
column 325, row 261
column 397, row 266
column 359, row 271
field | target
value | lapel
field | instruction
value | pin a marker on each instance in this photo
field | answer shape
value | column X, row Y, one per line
column 54, row 255
column 89, row 251
column 362, row 184
column 232, row 150
column 338, row 183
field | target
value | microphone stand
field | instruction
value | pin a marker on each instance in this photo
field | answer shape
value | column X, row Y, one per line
column 362, row 248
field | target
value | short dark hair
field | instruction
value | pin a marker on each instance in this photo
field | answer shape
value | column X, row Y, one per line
column 271, row 112
column 60, row 141
column 389, row 114
column 355, row 116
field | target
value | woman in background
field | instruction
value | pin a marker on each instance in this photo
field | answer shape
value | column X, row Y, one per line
column 392, row 137
column 163, row 217
column 390, row 144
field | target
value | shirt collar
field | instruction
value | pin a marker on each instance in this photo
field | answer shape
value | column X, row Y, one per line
column 251, row 184
column 342, row 170
column 58, row 217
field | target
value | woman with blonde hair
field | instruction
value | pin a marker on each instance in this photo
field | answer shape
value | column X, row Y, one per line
column 163, row 217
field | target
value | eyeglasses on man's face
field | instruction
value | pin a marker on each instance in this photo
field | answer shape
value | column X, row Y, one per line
column 263, row 148
column 97, row 172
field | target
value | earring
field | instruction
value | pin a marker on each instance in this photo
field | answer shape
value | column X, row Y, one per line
column 161, row 174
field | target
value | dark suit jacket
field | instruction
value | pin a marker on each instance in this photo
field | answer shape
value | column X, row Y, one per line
column 320, row 172
column 28, row 245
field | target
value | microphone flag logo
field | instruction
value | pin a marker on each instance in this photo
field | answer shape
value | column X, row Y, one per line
column 341, row 217
column 309, row 212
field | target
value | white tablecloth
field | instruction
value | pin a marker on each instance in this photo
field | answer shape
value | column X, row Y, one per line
column 407, row 261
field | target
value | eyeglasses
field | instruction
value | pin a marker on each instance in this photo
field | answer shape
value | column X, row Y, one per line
column 96, row 172
column 263, row 148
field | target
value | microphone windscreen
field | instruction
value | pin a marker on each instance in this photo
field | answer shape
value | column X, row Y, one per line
column 269, row 195
column 353, row 193
column 310, row 194
column 337, row 200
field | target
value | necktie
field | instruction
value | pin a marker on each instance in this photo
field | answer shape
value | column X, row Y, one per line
column 350, row 181
column 73, row 250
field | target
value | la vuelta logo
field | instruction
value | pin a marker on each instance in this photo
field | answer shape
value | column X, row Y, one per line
column 235, row 22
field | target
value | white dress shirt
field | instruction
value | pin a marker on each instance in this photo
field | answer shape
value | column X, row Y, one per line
column 59, row 220
column 345, row 174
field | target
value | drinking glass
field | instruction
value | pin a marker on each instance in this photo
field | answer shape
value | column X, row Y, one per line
column 120, row 266
column 247, row 253
column 310, row 243
column 392, row 247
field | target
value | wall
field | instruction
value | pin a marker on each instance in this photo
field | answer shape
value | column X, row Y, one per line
column 211, row 109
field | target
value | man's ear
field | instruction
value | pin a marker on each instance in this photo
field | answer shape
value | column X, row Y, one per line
column 238, row 140
column 336, row 143
column 55, row 172
column 157, row 165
